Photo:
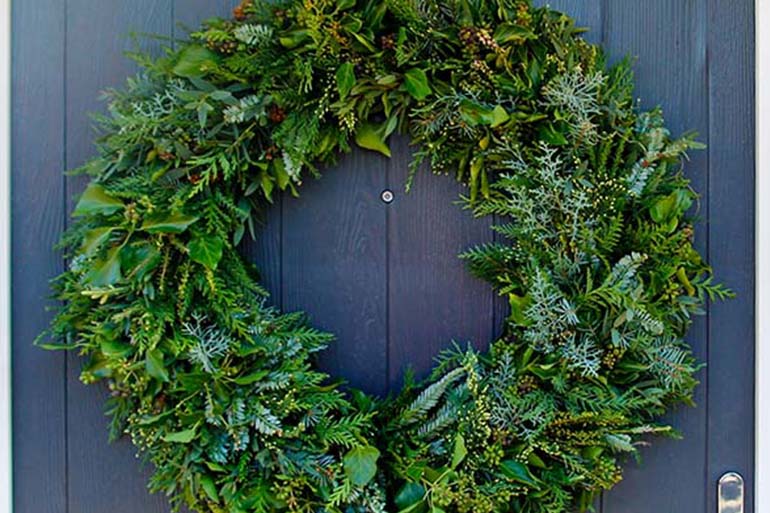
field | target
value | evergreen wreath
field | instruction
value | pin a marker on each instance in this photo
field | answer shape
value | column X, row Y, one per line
column 219, row 391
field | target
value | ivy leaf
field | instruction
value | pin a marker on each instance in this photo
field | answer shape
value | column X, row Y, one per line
column 153, row 363
column 416, row 83
column 180, row 437
column 95, row 200
column 459, row 451
column 106, row 272
column 361, row 464
column 372, row 138
column 346, row 79
column 168, row 223
column 193, row 60
column 516, row 471
column 206, row 250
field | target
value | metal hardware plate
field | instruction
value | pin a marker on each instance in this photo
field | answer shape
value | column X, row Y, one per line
column 730, row 493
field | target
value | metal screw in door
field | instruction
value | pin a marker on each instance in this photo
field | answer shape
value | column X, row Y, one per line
column 387, row 196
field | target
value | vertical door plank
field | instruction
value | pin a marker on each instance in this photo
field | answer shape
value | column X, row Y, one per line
column 334, row 265
column 188, row 14
column 103, row 478
column 731, row 234
column 669, row 39
column 587, row 14
column 432, row 298
column 39, row 405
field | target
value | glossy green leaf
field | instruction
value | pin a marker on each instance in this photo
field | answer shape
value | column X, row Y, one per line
column 180, row 437
column 153, row 363
column 95, row 200
column 193, row 61
column 516, row 471
column 460, row 451
column 206, row 250
column 94, row 239
column 372, row 137
column 410, row 495
column 346, row 79
column 209, row 487
column 168, row 223
column 106, row 271
column 416, row 83
column 361, row 464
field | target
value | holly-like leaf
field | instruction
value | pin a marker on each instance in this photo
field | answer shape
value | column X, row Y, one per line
column 95, row 200
column 180, row 437
column 361, row 464
column 153, row 363
column 346, row 79
column 372, row 137
column 416, row 83
column 206, row 250
column 168, row 223
column 193, row 61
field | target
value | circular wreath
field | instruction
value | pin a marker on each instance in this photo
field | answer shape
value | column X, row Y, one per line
column 219, row 391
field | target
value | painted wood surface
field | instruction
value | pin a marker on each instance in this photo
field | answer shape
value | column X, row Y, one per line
column 383, row 277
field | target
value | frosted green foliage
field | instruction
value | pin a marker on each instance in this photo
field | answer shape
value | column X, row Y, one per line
column 551, row 318
column 254, row 35
column 209, row 342
column 248, row 108
column 576, row 96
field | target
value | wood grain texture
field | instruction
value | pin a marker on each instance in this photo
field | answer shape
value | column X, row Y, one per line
column 39, row 403
column 669, row 41
column 731, row 236
column 102, row 477
column 334, row 265
column 432, row 299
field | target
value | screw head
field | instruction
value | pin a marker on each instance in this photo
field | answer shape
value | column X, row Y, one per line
column 387, row 196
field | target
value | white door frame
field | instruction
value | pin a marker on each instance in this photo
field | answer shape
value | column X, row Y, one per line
column 6, row 470
column 762, row 263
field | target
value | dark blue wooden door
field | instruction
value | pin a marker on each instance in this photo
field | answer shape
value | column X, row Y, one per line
column 382, row 276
